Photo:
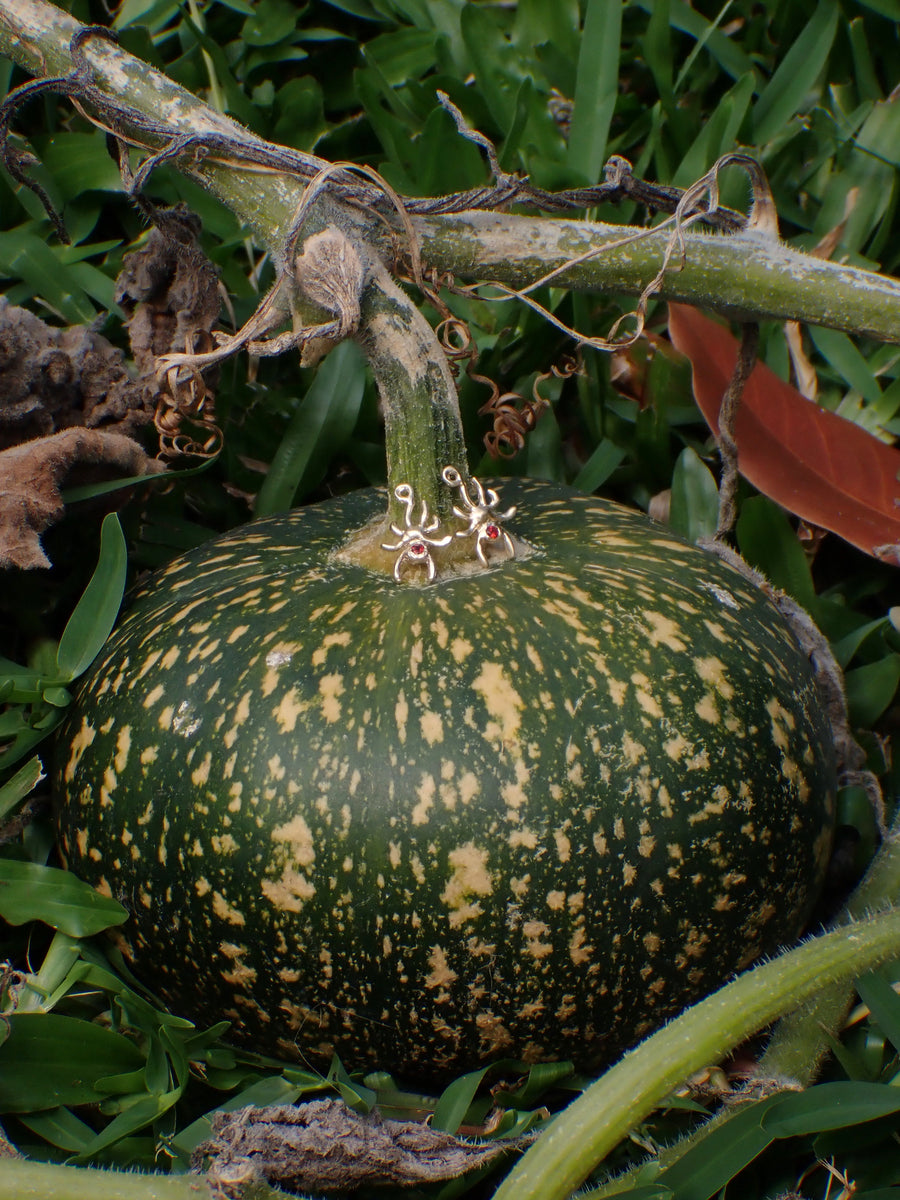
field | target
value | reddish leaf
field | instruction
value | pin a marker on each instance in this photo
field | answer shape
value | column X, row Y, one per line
column 816, row 464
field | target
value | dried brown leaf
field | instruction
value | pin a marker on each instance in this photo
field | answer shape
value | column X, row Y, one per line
column 31, row 475
column 323, row 1146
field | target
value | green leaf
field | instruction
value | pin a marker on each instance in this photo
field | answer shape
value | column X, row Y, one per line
column 26, row 740
column 60, row 1127
column 323, row 419
column 786, row 91
column 486, row 44
column 80, row 162
column 694, row 510
column 724, row 49
column 884, row 1005
column 598, row 468
column 526, row 100
column 540, row 1077
column 25, row 256
column 538, row 23
column 272, row 21
column 29, row 892
column 95, row 614
column 718, row 1156
column 142, row 1112
column 719, row 133
column 767, row 541
column 844, row 649
column 357, row 8
column 830, row 1106
column 887, row 8
column 123, row 1084
column 870, row 689
column 50, row 1060
column 596, row 87
column 837, row 349
column 658, row 53
column 402, row 55
column 89, row 491
column 871, row 173
column 457, row 1097
column 355, row 1095
column 24, row 781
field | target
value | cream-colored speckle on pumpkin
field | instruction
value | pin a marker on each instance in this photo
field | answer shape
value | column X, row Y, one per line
column 432, row 727
column 503, row 703
column 461, row 648
column 401, row 716
column 330, row 639
column 425, row 792
column 440, row 974
column 535, row 946
column 295, row 836
column 227, row 911
column 331, row 688
column 470, row 877
column 80, row 742
column 154, row 695
column 664, row 631
column 289, row 892
column 707, row 710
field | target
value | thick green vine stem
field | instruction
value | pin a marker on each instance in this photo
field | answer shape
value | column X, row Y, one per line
column 800, row 1040
column 745, row 274
column 580, row 1138
column 23, row 1180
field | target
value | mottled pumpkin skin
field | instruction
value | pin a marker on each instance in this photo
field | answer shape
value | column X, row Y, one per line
column 529, row 813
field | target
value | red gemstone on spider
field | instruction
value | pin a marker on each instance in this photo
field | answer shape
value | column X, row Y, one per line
column 492, row 531
column 418, row 549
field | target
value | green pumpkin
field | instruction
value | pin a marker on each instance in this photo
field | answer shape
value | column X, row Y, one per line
column 530, row 812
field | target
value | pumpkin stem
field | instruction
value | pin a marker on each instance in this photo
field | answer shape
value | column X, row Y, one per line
column 423, row 426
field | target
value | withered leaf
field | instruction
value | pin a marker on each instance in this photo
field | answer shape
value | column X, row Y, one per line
column 818, row 465
column 323, row 1146
column 31, row 475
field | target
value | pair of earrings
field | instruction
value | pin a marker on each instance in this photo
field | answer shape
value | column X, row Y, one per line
column 479, row 511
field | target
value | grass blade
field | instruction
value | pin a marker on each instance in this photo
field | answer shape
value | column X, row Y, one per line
column 797, row 72
column 596, row 88
column 326, row 413
column 95, row 613
column 884, row 1005
column 17, row 788
column 29, row 892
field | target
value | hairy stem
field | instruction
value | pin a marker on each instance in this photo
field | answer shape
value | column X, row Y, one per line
column 579, row 1139
column 800, row 1040
column 423, row 427
column 21, row 1180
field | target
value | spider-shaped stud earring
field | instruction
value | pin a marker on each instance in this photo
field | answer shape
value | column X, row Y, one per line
column 480, row 513
column 414, row 539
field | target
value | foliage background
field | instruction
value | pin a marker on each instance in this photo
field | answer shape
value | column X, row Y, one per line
column 558, row 87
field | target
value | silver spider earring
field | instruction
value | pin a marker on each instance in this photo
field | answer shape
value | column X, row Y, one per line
column 415, row 539
column 484, row 521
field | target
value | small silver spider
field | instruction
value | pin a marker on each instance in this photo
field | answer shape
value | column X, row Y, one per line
column 414, row 539
column 480, row 513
